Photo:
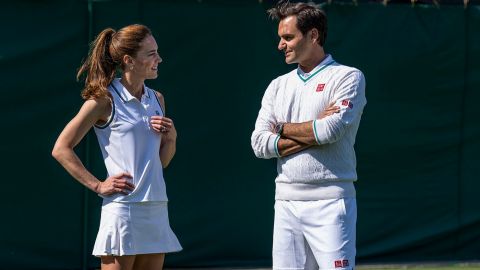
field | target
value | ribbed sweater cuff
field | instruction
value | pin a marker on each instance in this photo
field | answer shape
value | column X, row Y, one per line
column 273, row 145
column 317, row 128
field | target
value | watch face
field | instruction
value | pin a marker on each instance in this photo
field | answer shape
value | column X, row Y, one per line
column 278, row 128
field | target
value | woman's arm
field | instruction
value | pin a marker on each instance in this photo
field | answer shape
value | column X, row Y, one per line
column 164, row 126
column 92, row 111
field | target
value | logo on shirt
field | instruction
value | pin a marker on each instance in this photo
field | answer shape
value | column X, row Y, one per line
column 157, row 112
column 341, row 263
column 320, row 87
column 347, row 103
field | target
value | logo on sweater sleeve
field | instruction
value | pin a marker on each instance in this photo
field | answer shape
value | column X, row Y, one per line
column 341, row 263
column 320, row 87
column 347, row 103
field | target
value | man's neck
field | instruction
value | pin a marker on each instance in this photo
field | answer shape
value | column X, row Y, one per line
column 314, row 60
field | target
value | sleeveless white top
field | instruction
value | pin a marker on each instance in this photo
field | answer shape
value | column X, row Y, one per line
column 129, row 144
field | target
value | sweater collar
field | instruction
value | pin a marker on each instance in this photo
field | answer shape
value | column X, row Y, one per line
column 305, row 76
column 124, row 93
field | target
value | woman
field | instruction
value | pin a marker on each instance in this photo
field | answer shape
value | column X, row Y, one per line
column 136, row 140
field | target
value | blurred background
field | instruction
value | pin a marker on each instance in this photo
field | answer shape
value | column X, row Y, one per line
column 417, row 147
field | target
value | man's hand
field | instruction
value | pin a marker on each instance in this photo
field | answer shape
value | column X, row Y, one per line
column 303, row 132
column 331, row 109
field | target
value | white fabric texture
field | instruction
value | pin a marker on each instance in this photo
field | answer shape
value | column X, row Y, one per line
column 315, row 235
column 135, row 228
column 129, row 144
column 297, row 98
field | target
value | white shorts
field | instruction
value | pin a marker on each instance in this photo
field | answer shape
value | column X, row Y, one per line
column 135, row 228
column 315, row 235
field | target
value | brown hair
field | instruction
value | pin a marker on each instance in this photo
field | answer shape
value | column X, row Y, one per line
column 309, row 16
column 105, row 57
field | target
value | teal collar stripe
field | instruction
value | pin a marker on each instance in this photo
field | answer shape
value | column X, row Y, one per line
column 316, row 72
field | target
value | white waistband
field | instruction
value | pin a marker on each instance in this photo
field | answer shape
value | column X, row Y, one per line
column 312, row 192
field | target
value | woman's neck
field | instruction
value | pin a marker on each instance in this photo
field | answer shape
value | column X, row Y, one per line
column 133, row 85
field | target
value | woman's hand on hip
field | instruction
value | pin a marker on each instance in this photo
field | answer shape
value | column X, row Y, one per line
column 119, row 183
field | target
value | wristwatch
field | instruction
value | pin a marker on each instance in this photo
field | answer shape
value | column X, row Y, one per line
column 279, row 128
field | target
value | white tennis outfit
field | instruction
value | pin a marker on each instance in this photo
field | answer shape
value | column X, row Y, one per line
column 136, row 223
column 315, row 209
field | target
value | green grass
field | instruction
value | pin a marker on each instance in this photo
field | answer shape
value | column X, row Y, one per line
column 421, row 267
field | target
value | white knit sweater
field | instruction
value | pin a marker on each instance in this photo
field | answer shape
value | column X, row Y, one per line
column 329, row 169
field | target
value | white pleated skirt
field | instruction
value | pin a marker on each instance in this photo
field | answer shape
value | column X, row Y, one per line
column 135, row 228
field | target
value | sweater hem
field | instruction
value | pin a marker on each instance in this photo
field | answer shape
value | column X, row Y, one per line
column 313, row 192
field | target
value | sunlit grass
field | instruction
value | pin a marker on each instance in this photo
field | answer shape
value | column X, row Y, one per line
column 462, row 266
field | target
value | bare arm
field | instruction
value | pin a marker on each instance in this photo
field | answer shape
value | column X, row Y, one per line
column 299, row 136
column 304, row 132
column 301, row 132
column 288, row 146
column 91, row 112
column 166, row 128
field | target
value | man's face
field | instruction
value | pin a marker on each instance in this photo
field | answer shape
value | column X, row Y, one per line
column 292, row 42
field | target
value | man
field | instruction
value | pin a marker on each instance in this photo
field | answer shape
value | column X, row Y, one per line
column 308, row 121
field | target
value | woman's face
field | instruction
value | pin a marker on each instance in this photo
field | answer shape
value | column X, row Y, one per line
column 145, row 63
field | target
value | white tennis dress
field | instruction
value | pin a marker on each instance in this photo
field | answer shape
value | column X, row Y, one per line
column 136, row 223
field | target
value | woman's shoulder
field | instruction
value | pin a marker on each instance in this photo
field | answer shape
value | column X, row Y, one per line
column 103, row 101
column 100, row 105
column 159, row 98
column 158, row 94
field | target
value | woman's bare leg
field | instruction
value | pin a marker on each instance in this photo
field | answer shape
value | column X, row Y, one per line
column 149, row 261
column 118, row 262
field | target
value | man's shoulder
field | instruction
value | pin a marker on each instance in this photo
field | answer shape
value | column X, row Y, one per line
column 342, row 69
column 285, row 76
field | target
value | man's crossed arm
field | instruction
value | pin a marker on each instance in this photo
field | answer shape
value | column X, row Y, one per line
column 296, row 137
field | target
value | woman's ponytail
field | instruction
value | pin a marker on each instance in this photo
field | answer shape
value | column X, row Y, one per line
column 99, row 67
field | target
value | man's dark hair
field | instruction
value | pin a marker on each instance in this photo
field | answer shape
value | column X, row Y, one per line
column 309, row 16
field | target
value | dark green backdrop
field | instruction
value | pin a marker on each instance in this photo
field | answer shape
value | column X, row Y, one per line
column 417, row 146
